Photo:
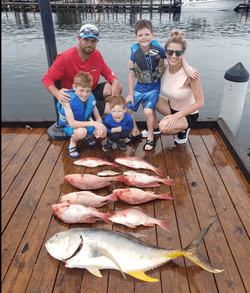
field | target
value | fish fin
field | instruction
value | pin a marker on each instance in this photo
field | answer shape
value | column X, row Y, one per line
column 105, row 218
column 158, row 171
column 165, row 196
column 135, row 235
column 95, row 272
column 100, row 251
column 192, row 252
column 168, row 182
column 164, row 224
column 119, row 178
column 141, row 276
column 112, row 197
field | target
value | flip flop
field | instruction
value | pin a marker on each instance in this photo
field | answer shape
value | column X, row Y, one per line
column 73, row 150
column 150, row 143
column 89, row 141
column 133, row 138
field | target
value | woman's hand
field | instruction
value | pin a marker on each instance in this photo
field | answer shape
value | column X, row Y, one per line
column 170, row 121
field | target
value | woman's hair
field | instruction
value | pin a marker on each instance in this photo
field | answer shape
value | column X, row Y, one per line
column 177, row 37
column 117, row 100
column 83, row 79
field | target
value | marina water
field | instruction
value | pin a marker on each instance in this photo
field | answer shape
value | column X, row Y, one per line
column 216, row 42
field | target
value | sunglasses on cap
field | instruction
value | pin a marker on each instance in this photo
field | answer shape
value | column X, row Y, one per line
column 171, row 52
column 88, row 31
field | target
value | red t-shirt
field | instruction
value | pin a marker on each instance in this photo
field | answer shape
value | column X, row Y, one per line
column 68, row 64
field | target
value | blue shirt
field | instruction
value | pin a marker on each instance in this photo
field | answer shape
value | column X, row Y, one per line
column 126, row 123
column 141, row 87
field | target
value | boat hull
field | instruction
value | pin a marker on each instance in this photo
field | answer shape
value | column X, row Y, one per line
column 206, row 5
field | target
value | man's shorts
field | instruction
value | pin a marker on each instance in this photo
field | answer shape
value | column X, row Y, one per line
column 98, row 93
column 149, row 100
column 69, row 130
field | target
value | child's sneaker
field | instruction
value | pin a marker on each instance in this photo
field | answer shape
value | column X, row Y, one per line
column 122, row 145
column 144, row 133
column 107, row 147
column 182, row 136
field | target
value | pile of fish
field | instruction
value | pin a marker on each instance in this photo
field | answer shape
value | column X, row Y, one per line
column 95, row 249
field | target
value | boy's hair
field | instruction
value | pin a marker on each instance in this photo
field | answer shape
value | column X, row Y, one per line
column 83, row 79
column 143, row 23
column 117, row 100
column 177, row 37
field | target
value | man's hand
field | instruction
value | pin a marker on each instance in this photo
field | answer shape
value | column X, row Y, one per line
column 115, row 87
column 62, row 96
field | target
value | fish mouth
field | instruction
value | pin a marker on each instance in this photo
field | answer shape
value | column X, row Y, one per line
column 76, row 252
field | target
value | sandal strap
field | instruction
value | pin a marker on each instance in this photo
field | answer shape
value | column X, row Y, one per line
column 73, row 150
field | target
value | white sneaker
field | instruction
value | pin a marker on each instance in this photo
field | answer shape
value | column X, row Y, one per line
column 144, row 133
column 182, row 136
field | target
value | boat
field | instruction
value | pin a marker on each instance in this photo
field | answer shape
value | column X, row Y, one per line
column 208, row 5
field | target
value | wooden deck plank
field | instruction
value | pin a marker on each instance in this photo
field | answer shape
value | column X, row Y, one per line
column 22, row 180
column 236, row 191
column 231, row 224
column 40, row 282
column 13, row 237
column 12, row 170
column 230, row 158
column 13, row 146
column 188, row 225
column 173, row 273
column 7, row 136
column 216, row 244
column 3, row 130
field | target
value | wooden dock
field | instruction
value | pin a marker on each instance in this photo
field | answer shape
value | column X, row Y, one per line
column 211, row 176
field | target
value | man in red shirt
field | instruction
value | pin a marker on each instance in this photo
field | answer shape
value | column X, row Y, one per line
column 83, row 57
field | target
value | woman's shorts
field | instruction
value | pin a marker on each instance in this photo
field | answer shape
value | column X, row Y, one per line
column 191, row 119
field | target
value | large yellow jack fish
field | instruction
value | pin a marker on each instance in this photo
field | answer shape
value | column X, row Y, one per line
column 96, row 249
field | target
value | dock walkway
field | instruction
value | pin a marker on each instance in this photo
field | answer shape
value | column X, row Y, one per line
column 208, row 185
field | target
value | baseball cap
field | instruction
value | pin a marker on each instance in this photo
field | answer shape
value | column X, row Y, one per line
column 89, row 31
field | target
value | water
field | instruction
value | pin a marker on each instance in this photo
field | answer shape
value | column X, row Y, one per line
column 216, row 42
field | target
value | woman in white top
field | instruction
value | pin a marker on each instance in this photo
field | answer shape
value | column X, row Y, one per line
column 184, row 97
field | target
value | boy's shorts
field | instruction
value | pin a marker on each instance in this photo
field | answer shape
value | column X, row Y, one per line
column 69, row 130
column 98, row 93
column 149, row 100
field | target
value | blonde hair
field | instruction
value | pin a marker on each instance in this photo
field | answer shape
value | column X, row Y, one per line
column 83, row 79
column 177, row 37
column 117, row 100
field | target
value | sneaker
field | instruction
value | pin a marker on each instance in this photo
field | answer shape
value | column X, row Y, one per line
column 144, row 133
column 182, row 136
column 122, row 145
column 107, row 147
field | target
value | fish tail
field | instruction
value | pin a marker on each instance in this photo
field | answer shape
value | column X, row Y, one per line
column 165, row 196
column 168, row 182
column 105, row 218
column 164, row 224
column 112, row 197
column 192, row 252
column 114, row 164
column 119, row 178
column 159, row 172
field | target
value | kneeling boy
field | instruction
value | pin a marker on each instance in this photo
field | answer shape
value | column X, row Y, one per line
column 75, row 115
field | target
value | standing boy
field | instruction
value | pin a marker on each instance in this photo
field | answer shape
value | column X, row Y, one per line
column 118, row 124
column 148, row 57
column 74, row 116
